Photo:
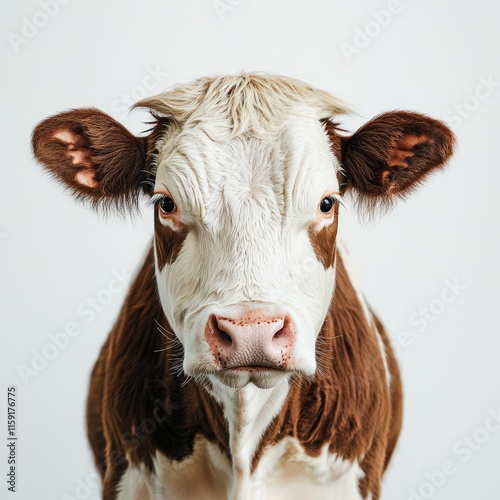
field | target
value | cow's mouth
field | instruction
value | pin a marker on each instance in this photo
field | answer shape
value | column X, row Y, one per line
column 261, row 376
column 255, row 368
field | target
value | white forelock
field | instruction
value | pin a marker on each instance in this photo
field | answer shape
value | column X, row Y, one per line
column 249, row 103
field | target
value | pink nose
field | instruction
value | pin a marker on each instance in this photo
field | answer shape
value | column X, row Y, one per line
column 251, row 343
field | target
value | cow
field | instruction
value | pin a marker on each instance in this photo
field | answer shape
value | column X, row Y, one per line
column 245, row 362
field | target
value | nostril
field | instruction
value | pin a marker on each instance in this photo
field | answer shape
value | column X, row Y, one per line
column 280, row 333
column 284, row 330
column 223, row 337
column 282, row 337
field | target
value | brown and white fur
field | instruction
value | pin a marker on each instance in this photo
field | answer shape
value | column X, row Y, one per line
column 245, row 363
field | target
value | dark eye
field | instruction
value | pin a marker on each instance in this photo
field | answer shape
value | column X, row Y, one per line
column 167, row 205
column 326, row 204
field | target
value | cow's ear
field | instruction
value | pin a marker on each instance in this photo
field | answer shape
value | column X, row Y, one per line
column 93, row 155
column 392, row 153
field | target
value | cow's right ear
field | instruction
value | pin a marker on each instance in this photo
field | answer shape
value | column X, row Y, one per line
column 95, row 156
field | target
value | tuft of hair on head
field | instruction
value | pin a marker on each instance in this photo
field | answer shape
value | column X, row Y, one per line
column 249, row 103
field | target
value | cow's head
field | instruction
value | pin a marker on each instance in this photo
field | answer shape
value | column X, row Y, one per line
column 246, row 175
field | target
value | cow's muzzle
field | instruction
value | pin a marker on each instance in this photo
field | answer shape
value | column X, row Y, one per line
column 251, row 343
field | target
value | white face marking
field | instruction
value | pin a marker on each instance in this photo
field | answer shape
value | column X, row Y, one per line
column 248, row 202
column 248, row 206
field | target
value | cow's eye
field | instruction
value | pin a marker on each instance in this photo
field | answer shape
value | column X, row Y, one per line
column 167, row 205
column 326, row 204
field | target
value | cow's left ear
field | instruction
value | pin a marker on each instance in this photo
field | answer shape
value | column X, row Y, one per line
column 392, row 153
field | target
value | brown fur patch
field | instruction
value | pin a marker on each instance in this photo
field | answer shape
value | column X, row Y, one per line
column 168, row 242
column 396, row 393
column 332, row 131
column 158, row 129
column 324, row 240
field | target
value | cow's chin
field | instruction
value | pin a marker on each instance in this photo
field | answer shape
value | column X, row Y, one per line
column 263, row 378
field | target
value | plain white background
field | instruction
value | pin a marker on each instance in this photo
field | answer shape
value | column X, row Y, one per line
column 54, row 254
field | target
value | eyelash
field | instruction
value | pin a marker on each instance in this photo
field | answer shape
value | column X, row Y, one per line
column 155, row 199
column 338, row 199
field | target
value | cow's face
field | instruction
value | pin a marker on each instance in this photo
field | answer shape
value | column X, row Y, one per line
column 247, row 187
column 245, row 231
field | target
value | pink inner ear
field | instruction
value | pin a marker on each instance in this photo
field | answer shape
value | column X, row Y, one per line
column 403, row 150
column 77, row 151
